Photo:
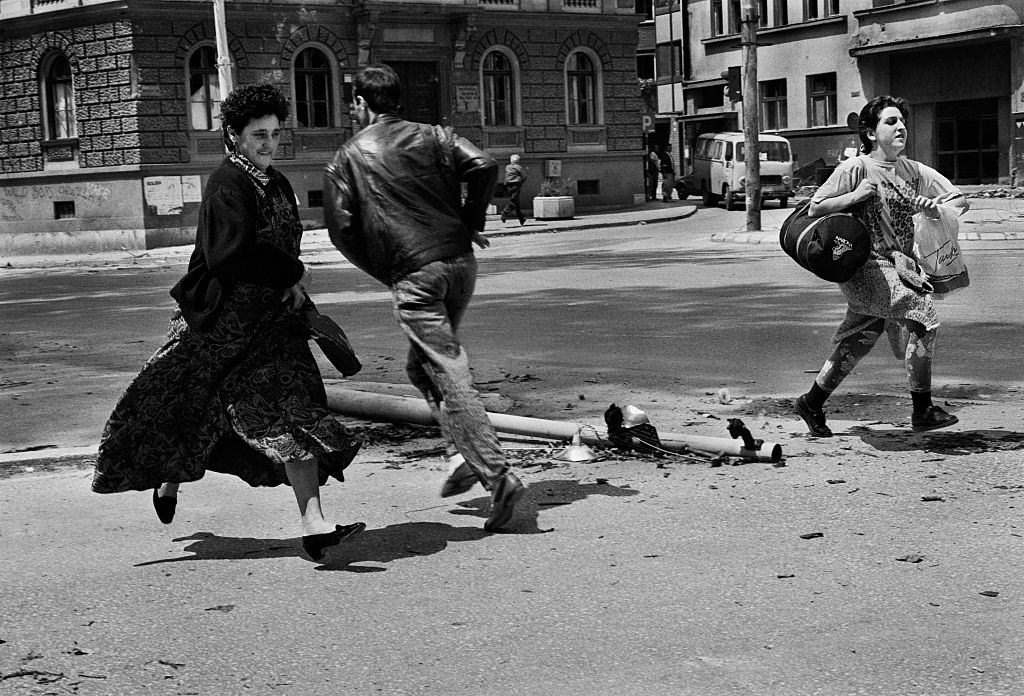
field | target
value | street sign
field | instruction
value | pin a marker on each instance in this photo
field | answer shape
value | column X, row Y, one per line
column 647, row 123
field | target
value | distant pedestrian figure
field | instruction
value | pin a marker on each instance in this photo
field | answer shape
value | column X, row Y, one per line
column 668, row 173
column 515, row 177
column 393, row 206
column 235, row 389
column 653, row 173
column 885, row 189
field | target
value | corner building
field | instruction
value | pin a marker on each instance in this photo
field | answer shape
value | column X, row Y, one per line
column 960, row 64
column 110, row 107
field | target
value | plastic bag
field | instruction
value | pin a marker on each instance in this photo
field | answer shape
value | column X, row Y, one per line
column 938, row 251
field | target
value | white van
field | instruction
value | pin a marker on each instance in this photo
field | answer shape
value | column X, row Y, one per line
column 718, row 171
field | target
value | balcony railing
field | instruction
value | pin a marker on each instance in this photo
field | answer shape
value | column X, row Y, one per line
column 581, row 5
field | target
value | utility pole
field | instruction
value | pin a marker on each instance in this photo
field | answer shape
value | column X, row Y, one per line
column 751, row 116
column 223, row 56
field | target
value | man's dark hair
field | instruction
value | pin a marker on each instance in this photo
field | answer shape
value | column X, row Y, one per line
column 868, row 119
column 378, row 85
column 248, row 102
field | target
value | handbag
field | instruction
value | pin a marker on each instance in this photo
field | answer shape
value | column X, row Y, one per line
column 938, row 251
column 330, row 338
column 831, row 247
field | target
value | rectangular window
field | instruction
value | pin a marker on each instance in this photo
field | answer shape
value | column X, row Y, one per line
column 773, row 105
column 314, row 199
column 735, row 16
column 670, row 59
column 63, row 210
column 762, row 13
column 831, row 8
column 645, row 66
column 644, row 8
column 588, row 187
column 821, row 100
column 781, row 12
column 811, row 10
column 708, row 97
column 717, row 17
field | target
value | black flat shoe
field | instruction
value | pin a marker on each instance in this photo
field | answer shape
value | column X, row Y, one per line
column 314, row 544
column 932, row 419
column 814, row 418
column 164, row 506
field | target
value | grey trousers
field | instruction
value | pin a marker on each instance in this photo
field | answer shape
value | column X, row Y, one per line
column 429, row 305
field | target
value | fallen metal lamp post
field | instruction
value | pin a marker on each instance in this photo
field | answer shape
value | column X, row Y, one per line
column 404, row 409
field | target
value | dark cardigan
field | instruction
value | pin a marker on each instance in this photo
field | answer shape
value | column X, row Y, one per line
column 227, row 249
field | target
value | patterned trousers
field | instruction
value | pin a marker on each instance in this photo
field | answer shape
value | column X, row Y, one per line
column 917, row 353
column 429, row 305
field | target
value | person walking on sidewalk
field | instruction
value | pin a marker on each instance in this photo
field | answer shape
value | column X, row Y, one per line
column 668, row 173
column 235, row 389
column 515, row 177
column 392, row 203
column 888, row 293
column 653, row 173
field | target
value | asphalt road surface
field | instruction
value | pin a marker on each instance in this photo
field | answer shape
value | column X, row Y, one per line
column 878, row 562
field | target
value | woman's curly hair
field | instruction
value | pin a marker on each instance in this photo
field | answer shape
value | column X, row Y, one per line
column 868, row 119
column 248, row 102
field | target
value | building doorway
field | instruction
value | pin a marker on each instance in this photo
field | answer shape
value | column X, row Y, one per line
column 421, row 90
column 967, row 141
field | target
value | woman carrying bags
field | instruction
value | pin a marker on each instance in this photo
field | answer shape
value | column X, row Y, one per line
column 888, row 293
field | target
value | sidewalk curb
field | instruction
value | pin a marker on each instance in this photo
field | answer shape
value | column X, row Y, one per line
column 772, row 237
column 611, row 220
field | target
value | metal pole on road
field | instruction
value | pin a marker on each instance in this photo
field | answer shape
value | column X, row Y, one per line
column 751, row 127
column 223, row 56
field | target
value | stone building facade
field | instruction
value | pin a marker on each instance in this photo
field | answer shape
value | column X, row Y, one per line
column 960, row 64
column 109, row 106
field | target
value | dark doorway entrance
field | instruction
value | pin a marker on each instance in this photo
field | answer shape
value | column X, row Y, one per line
column 420, row 90
column 967, row 141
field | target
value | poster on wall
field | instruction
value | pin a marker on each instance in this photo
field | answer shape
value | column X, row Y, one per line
column 164, row 194
column 191, row 189
column 467, row 98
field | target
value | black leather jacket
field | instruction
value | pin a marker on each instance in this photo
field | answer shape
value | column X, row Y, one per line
column 393, row 196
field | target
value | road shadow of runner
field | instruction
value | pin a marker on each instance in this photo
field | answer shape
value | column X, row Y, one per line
column 380, row 545
column 541, row 494
column 396, row 541
column 940, row 442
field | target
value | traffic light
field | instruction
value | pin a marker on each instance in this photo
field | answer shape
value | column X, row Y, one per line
column 733, row 84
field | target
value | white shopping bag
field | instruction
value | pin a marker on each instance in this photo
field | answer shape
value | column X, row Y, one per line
column 938, row 251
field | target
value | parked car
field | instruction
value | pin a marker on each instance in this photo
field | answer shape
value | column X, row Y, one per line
column 719, row 172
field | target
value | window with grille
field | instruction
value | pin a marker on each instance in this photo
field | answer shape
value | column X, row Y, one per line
column 59, row 98
column 499, row 80
column 773, row 105
column 581, row 78
column 821, row 100
column 314, row 97
column 203, row 89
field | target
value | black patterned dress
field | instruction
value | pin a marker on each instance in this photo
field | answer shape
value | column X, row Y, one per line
column 235, row 389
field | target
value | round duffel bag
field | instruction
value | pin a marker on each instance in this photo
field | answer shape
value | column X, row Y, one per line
column 831, row 247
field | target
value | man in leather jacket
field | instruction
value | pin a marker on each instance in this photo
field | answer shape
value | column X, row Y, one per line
column 393, row 206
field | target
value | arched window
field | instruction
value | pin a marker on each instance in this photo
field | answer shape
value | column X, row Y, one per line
column 582, row 89
column 499, row 89
column 58, row 98
column 314, row 97
column 203, row 89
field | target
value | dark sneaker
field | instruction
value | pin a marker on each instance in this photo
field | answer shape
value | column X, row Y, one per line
column 460, row 477
column 814, row 418
column 932, row 419
column 503, row 501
